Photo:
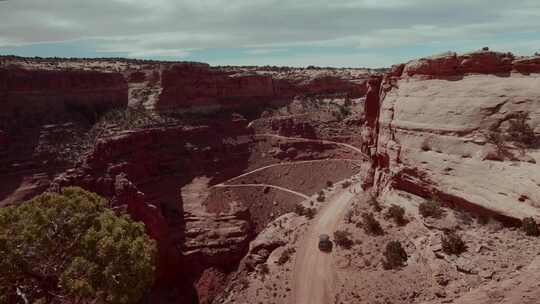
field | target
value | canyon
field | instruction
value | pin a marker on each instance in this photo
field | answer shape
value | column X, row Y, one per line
column 221, row 164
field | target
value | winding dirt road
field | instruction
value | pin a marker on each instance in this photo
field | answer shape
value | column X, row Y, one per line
column 302, row 195
column 284, row 164
column 351, row 147
column 313, row 270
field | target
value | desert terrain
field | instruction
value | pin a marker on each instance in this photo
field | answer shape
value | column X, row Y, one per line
column 422, row 174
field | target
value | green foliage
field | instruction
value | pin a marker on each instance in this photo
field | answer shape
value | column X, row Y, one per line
column 452, row 243
column 430, row 208
column 303, row 211
column 321, row 197
column 395, row 255
column 520, row 131
column 396, row 213
column 70, row 246
column 528, row 225
column 374, row 203
column 346, row 184
column 343, row 239
column 371, row 225
column 329, row 184
column 285, row 256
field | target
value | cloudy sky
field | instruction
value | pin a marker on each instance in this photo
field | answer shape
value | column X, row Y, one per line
column 355, row 33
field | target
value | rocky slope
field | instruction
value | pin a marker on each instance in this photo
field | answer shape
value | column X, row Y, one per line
column 99, row 134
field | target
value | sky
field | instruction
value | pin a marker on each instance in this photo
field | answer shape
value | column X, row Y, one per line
column 340, row 33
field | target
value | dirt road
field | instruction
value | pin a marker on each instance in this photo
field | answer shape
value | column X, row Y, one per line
column 313, row 270
column 351, row 147
column 264, row 185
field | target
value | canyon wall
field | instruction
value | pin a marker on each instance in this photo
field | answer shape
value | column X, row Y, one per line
column 446, row 130
column 198, row 87
column 36, row 97
column 41, row 112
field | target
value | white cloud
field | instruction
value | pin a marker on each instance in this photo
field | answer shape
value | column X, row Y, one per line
column 179, row 27
column 263, row 51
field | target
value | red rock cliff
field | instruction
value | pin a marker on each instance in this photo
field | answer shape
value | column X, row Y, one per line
column 197, row 86
column 45, row 96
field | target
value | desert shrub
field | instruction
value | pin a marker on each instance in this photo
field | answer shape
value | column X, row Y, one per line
column 329, row 184
column 264, row 270
column 520, row 131
column 321, row 197
column 68, row 247
column 310, row 213
column 346, row 184
column 299, row 209
column 430, row 208
column 374, row 203
column 285, row 256
column 371, row 225
column 303, row 211
column 425, row 146
column 343, row 239
column 452, row 243
column 528, row 225
column 396, row 213
column 394, row 254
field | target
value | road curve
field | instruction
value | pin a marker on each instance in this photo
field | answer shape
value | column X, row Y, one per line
column 264, row 185
column 287, row 164
column 313, row 269
column 351, row 147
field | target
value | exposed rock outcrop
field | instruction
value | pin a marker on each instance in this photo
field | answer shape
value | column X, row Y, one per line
column 479, row 62
column 36, row 97
column 436, row 132
column 198, row 87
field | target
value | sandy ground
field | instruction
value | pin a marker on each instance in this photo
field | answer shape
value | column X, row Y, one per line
column 314, row 271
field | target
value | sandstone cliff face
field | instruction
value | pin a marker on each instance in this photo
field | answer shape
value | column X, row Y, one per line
column 436, row 133
column 198, row 87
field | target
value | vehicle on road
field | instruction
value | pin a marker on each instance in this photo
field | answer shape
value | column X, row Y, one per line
column 324, row 243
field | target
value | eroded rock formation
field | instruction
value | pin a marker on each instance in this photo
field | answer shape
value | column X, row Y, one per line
column 439, row 136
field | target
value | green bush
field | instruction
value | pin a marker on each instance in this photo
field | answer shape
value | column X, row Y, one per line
column 329, row 184
column 321, row 197
column 395, row 255
column 430, row 208
column 530, row 227
column 285, row 256
column 346, row 184
column 452, row 243
column 396, row 213
column 520, row 131
column 374, row 203
column 303, row 211
column 343, row 239
column 371, row 225
column 68, row 247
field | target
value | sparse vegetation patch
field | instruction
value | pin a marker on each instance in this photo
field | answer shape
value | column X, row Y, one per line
column 452, row 243
column 371, row 225
column 530, row 227
column 394, row 254
column 430, row 208
column 343, row 239
column 396, row 213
